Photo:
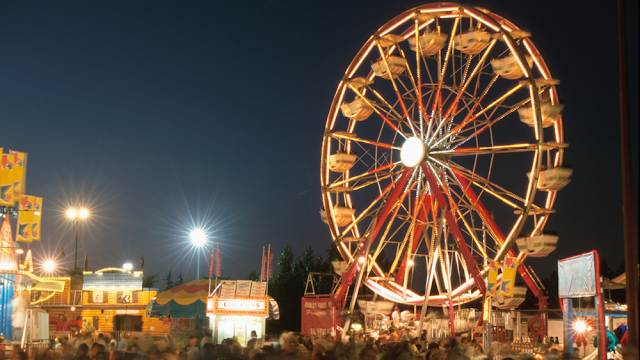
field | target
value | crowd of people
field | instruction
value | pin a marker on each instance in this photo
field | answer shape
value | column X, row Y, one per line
column 288, row 346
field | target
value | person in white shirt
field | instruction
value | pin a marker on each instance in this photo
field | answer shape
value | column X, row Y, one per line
column 19, row 312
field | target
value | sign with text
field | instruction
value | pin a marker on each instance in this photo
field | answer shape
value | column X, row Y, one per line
column 247, row 306
column 244, row 288
column 258, row 289
column 228, row 289
column 127, row 312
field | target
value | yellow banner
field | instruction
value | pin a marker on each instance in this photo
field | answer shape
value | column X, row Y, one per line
column 25, row 218
column 7, row 176
column 509, row 270
column 35, row 219
column 20, row 169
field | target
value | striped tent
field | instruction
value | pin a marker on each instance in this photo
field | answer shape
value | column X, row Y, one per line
column 183, row 302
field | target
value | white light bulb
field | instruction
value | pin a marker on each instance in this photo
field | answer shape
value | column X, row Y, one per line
column 412, row 152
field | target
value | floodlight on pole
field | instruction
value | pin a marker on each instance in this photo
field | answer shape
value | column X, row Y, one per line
column 77, row 215
column 198, row 239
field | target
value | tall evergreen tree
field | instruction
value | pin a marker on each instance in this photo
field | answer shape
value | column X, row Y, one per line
column 149, row 281
column 180, row 279
column 169, row 281
column 253, row 276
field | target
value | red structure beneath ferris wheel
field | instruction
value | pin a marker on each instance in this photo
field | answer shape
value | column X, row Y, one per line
column 443, row 125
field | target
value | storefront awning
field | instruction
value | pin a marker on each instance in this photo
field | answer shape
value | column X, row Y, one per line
column 183, row 302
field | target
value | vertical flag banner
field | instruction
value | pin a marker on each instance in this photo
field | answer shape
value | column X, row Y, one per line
column 211, row 263
column 270, row 274
column 218, row 265
column 264, row 264
column 20, row 173
column 62, row 255
column 35, row 218
column 7, row 176
column 493, row 278
column 25, row 216
column 509, row 270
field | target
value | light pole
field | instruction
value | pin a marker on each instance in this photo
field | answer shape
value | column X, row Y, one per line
column 77, row 216
column 198, row 238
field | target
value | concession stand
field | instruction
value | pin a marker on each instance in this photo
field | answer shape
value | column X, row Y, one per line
column 236, row 308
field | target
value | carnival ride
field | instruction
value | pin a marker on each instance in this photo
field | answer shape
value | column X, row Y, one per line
column 433, row 155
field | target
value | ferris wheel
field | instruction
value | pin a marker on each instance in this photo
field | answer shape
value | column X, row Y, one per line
column 443, row 148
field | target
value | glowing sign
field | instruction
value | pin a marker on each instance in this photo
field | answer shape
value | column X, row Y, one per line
column 237, row 306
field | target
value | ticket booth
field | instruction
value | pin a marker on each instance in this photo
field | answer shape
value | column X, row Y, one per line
column 236, row 308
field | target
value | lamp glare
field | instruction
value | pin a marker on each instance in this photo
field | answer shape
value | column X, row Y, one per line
column 71, row 213
column 127, row 266
column 84, row 213
column 49, row 266
column 198, row 238
column 412, row 152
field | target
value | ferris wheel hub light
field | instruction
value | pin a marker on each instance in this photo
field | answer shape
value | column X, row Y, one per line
column 412, row 152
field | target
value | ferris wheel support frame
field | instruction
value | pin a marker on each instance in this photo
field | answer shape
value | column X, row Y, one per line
column 505, row 27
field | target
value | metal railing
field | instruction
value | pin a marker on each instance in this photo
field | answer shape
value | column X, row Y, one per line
column 35, row 349
column 110, row 334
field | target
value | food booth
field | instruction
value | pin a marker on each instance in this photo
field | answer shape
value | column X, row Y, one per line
column 236, row 308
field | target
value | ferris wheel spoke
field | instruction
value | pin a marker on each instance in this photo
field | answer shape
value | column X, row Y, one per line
column 486, row 150
column 390, row 109
column 465, row 84
column 433, row 185
column 375, row 108
column 353, row 137
column 436, row 107
column 471, row 117
column 365, row 175
column 484, row 124
column 418, row 87
column 461, row 216
column 393, row 82
column 498, row 235
column 488, row 186
column 415, row 232
column 368, row 211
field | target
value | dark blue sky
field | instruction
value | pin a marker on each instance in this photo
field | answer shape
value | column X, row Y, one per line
column 161, row 115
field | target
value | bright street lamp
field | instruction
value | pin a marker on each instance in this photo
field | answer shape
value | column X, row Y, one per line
column 49, row 266
column 199, row 239
column 127, row 266
column 77, row 216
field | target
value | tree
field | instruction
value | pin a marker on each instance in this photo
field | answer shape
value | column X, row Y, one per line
column 169, row 282
column 605, row 268
column 180, row 279
column 288, row 284
column 253, row 276
column 149, row 281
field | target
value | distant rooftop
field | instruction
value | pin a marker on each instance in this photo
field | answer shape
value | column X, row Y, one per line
column 112, row 279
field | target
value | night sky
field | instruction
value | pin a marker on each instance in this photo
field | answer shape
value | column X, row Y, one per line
column 164, row 116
